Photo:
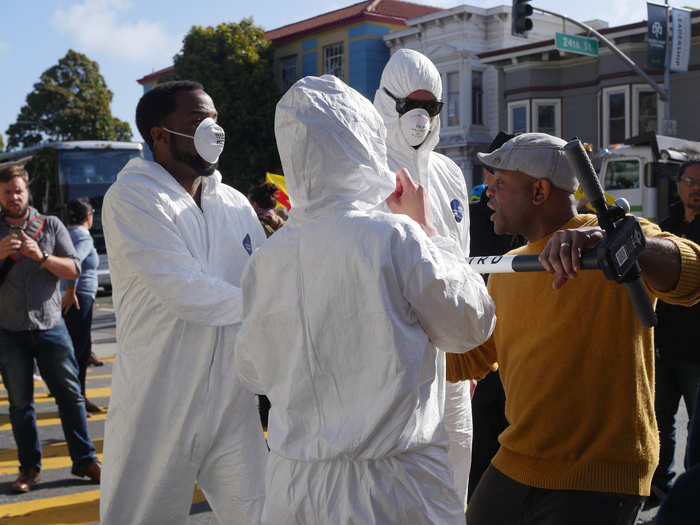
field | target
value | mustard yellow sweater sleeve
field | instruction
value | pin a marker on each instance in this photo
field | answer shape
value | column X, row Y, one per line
column 474, row 364
column 687, row 291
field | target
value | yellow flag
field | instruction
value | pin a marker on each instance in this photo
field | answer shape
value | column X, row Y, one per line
column 282, row 197
column 609, row 200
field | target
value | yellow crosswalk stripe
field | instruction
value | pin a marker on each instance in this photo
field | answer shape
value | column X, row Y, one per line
column 46, row 419
column 90, row 393
column 92, row 373
column 53, row 456
column 90, row 376
column 72, row 509
column 41, row 385
column 37, row 384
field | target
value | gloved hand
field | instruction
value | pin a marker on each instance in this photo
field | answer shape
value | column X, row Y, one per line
column 410, row 198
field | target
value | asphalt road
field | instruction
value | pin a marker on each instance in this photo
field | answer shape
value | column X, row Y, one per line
column 62, row 498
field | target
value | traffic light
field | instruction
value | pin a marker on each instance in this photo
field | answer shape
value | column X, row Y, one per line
column 520, row 23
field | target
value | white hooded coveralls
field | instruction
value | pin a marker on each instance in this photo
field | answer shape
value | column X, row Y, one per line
column 178, row 412
column 408, row 71
column 341, row 335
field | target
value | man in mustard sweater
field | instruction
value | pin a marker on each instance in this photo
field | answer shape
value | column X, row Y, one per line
column 576, row 364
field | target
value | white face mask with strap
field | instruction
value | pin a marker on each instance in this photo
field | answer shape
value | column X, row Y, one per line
column 415, row 126
column 209, row 139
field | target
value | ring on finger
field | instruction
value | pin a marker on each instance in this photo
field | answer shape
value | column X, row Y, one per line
column 565, row 244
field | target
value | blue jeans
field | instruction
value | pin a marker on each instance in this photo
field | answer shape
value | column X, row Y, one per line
column 675, row 378
column 54, row 355
column 79, row 324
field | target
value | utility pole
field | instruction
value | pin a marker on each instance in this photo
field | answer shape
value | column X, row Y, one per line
column 666, row 128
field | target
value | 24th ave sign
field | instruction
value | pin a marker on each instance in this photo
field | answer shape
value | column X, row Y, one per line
column 576, row 44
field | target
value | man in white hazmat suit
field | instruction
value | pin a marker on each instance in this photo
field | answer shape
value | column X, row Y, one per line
column 178, row 240
column 408, row 99
column 342, row 337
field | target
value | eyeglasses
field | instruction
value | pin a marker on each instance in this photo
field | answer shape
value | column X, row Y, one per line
column 693, row 183
column 404, row 105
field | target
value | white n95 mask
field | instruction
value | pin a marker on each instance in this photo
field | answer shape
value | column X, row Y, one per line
column 415, row 126
column 208, row 138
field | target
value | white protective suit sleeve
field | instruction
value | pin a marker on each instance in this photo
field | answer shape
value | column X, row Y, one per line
column 449, row 298
column 149, row 244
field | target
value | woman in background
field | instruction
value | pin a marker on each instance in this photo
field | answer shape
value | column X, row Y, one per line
column 264, row 199
column 80, row 295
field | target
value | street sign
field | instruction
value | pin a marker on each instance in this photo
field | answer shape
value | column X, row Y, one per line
column 576, row 44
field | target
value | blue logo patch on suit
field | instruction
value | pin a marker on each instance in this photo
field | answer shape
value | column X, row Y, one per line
column 457, row 210
column 247, row 244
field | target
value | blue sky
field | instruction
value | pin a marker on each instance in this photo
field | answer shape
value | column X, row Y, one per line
column 131, row 39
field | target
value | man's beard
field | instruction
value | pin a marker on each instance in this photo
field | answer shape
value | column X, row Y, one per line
column 194, row 161
column 15, row 215
column 693, row 202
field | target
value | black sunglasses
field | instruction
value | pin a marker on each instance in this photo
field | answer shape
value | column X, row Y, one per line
column 404, row 105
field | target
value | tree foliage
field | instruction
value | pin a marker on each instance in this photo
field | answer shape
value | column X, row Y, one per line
column 2, row 144
column 70, row 102
column 233, row 62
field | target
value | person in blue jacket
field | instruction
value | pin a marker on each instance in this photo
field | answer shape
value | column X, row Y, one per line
column 79, row 295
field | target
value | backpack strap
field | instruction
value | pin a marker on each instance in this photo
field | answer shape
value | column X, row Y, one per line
column 32, row 230
column 34, row 227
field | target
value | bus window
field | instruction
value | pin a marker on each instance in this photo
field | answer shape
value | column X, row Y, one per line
column 93, row 166
column 89, row 173
column 622, row 175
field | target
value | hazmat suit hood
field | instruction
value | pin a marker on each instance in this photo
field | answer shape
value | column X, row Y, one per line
column 331, row 142
column 407, row 71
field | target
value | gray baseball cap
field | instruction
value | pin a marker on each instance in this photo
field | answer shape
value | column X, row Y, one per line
column 536, row 154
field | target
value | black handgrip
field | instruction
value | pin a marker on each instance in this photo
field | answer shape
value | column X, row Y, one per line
column 583, row 169
column 585, row 173
column 640, row 300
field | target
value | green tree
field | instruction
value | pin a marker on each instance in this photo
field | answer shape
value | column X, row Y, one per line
column 70, row 102
column 233, row 63
column 2, row 144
